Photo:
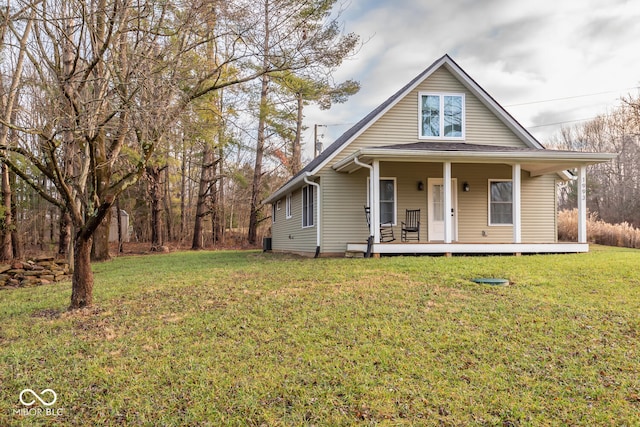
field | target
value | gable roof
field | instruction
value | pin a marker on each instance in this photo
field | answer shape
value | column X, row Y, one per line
column 445, row 61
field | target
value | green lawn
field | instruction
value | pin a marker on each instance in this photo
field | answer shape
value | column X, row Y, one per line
column 246, row 338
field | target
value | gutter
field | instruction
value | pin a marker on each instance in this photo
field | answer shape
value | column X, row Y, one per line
column 357, row 161
column 554, row 156
column 306, row 177
column 562, row 159
column 285, row 189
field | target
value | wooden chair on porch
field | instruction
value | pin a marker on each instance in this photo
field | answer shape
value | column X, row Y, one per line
column 386, row 230
column 411, row 225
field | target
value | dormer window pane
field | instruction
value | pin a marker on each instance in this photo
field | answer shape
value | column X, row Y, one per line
column 431, row 115
column 453, row 116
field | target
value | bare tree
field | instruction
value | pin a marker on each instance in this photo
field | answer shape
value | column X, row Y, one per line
column 8, row 104
column 110, row 79
column 614, row 187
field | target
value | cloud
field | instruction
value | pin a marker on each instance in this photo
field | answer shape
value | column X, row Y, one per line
column 519, row 51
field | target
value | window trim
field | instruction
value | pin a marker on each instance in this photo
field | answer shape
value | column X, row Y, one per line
column 489, row 223
column 305, row 209
column 441, row 96
column 395, row 198
column 287, row 207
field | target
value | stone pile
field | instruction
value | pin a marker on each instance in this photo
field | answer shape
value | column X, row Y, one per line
column 42, row 270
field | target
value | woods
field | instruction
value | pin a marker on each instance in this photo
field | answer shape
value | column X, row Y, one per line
column 150, row 105
column 613, row 187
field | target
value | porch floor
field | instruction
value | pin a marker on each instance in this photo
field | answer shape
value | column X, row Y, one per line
column 469, row 248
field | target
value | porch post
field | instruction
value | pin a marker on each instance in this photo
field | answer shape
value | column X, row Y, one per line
column 517, row 212
column 375, row 201
column 582, row 204
column 446, row 175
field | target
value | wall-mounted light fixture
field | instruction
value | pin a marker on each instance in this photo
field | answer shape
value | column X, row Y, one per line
column 465, row 187
column 420, row 185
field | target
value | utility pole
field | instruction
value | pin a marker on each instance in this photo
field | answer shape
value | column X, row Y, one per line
column 317, row 146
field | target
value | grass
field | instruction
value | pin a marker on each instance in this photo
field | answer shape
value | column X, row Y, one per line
column 245, row 338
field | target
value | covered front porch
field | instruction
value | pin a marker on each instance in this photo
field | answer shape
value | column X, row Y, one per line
column 400, row 248
column 464, row 230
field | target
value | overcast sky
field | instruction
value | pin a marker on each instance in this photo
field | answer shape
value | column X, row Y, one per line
column 545, row 61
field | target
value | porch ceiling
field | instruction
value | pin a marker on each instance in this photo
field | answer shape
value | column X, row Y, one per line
column 535, row 161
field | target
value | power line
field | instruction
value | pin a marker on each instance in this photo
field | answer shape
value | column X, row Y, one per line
column 560, row 123
column 571, row 97
column 339, row 124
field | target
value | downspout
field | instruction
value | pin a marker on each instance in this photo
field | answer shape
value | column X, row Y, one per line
column 371, row 183
column 315, row 184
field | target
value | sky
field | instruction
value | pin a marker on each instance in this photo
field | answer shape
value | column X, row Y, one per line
column 550, row 63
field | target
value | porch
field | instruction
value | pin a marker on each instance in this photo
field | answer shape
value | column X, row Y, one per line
column 422, row 248
column 501, row 200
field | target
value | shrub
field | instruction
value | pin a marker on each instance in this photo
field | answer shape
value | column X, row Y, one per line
column 598, row 231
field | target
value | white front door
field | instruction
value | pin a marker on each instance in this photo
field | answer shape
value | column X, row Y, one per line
column 435, row 208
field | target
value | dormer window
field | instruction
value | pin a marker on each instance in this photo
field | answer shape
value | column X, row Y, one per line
column 441, row 116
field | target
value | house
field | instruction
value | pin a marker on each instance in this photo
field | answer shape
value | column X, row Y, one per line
column 442, row 147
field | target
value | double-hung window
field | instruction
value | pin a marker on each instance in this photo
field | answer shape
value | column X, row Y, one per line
column 387, row 201
column 287, row 206
column 500, row 202
column 441, row 116
column 307, row 206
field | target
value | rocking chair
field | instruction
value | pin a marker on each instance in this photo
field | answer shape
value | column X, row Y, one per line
column 386, row 230
column 411, row 224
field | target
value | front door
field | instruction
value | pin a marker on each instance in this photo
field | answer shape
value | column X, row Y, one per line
column 435, row 209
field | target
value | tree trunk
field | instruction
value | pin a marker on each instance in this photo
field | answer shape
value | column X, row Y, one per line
column 100, row 248
column 257, row 171
column 82, row 279
column 167, row 204
column 119, row 219
column 16, row 240
column 156, row 192
column 296, row 154
column 65, row 234
column 183, row 191
column 218, row 202
column 202, row 209
column 101, row 166
column 6, row 249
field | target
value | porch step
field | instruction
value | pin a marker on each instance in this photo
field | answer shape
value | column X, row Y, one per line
column 354, row 254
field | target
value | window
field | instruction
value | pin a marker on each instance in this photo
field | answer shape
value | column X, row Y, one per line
column 442, row 116
column 387, row 200
column 500, row 203
column 287, row 206
column 307, row 206
column 438, row 202
column 273, row 212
